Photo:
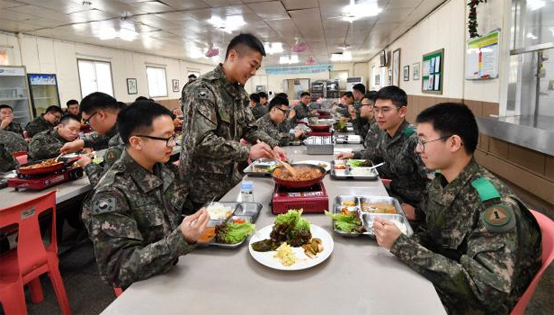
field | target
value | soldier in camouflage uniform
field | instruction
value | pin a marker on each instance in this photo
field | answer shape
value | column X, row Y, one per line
column 46, row 121
column 7, row 123
column 13, row 142
column 134, row 216
column 7, row 161
column 278, row 112
column 216, row 117
column 258, row 110
column 48, row 144
column 478, row 243
column 100, row 110
column 373, row 133
column 302, row 109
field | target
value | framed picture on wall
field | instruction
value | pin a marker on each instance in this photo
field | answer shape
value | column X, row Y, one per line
column 406, row 73
column 396, row 67
column 415, row 70
column 175, row 85
column 132, row 86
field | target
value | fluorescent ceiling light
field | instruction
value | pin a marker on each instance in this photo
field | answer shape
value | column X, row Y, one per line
column 339, row 57
column 535, row 4
column 230, row 24
column 354, row 11
column 287, row 60
column 273, row 48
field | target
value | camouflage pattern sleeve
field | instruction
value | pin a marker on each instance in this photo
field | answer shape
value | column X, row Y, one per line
column 15, row 127
column 370, row 143
column 121, row 253
column 282, row 138
column 95, row 172
column 95, row 140
column 36, row 126
column 7, row 161
column 200, row 126
column 44, row 146
column 481, row 279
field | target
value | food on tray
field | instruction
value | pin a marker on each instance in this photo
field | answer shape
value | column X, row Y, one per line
column 233, row 233
column 348, row 203
column 219, row 211
column 43, row 164
column 303, row 173
column 360, row 163
column 209, row 234
column 348, row 222
column 289, row 227
column 375, row 207
column 314, row 247
column 285, row 255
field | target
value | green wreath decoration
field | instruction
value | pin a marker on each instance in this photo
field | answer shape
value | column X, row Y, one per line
column 472, row 18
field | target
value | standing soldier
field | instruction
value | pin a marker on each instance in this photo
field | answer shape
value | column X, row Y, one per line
column 216, row 117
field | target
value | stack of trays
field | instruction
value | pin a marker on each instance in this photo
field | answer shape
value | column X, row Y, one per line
column 367, row 208
column 320, row 145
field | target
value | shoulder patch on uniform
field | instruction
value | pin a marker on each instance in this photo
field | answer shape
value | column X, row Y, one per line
column 204, row 94
column 498, row 218
column 408, row 131
column 485, row 189
column 104, row 205
column 112, row 155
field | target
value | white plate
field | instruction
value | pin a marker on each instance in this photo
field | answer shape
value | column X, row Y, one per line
column 327, row 166
column 304, row 262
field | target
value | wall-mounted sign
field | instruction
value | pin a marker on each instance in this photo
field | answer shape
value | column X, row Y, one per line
column 299, row 69
column 482, row 57
column 432, row 68
column 42, row 79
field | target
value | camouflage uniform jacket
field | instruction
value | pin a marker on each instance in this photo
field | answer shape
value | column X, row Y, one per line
column 343, row 110
column 97, row 141
column 46, row 145
column 302, row 111
column 272, row 129
column 370, row 141
column 113, row 152
column 14, row 127
column 133, row 219
column 216, row 117
column 7, row 161
column 258, row 111
column 13, row 142
column 37, row 125
column 478, row 245
column 402, row 165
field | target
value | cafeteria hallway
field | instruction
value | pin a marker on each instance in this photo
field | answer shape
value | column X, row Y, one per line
column 330, row 148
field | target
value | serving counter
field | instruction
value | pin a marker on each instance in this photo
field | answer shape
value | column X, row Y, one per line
column 358, row 278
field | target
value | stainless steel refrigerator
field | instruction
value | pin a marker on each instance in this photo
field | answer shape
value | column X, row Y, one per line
column 44, row 91
column 14, row 91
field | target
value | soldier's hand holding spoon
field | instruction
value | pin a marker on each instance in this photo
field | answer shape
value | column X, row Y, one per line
column 193, row 226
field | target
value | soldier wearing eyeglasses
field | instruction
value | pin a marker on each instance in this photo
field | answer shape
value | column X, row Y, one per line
column 270, row 123
column 477, row 242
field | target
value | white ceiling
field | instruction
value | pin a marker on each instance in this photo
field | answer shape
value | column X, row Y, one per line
column 180, row 28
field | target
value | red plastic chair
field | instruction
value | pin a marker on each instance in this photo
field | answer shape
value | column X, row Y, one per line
column 32, row 258
column 547, row 231
column 21, row 157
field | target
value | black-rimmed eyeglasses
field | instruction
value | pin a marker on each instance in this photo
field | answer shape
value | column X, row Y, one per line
column 87, row 121
column 421, row 143
column 171, row 141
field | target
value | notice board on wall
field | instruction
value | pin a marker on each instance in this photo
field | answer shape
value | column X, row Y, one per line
column 482, row 57
column 432, row 72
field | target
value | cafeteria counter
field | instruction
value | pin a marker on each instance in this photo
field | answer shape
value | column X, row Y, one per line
column 358, row 278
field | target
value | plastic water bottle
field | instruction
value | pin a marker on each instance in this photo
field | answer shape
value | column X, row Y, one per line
column 247, row 191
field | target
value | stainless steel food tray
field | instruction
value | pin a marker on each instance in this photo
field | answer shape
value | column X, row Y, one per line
column 352, row 139
column 259, row 168
column 369, row 217
column 353, row 173
column 246, row 210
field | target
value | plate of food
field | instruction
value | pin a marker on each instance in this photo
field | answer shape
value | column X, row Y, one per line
column 277, row 247
column 325, row 165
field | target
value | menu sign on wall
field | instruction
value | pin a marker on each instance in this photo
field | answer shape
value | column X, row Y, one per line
column 482, row 57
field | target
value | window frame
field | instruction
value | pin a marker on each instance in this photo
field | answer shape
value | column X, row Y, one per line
column 165, row 81
column 95, row 61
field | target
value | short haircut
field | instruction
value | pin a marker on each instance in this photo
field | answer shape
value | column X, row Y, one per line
column 359, row 87
column 245, row 40
column 349, row 94
column 278, row 101
column 71, row 102
column 6, row 106
column 452, row 119
column 255, row 97
column 98, row 100
column 141, row 98
column 138, row 117
column 283, row 95
column 192, row 76
column 53, row 109
column 305, row 94
column 393, row 93
column 67, row 118
column 262, row 94
column 371, row 95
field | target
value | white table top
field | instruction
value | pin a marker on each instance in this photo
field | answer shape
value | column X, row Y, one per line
column 358, row 278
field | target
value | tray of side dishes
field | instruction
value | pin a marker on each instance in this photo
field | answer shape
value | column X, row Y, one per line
column 364, row 210
column 260, row 168
column 222, row 213
column 353, row 169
